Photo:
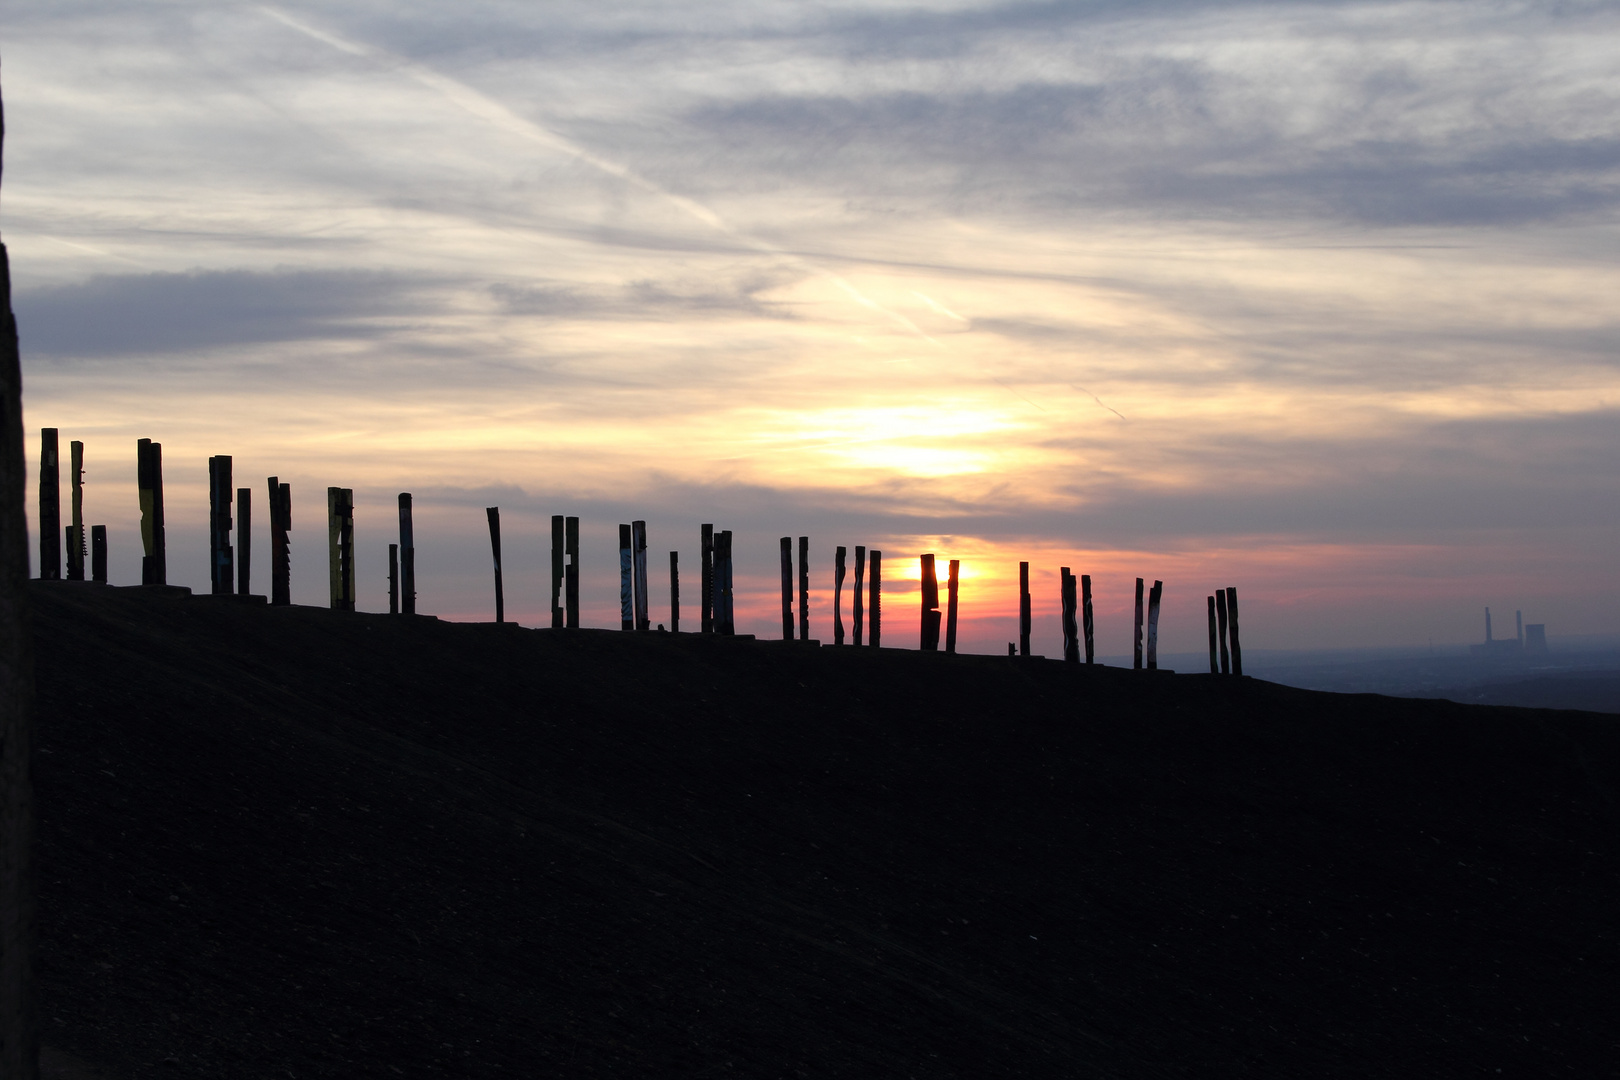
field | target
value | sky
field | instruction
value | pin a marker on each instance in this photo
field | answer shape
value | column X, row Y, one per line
column 1316, row 300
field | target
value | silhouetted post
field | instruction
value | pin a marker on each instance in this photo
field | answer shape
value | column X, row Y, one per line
column 571, row 571
column 1023, row 609
column 706, row 579
column 149, row 477
column 804, row 588
column 244, row 541
column 50, row 507
column 627, row 587
column 1232, row 629
column 221, row 571
column 725, row 621
column 838, row 596
column 407, row 556
column 787, row 588
column 393, row 579
column 950, row 605
column 494, row 515
column 875, row 612
column 638, row 551
column 1087, row 624
column 929, row 634
column 98, row 553
column 858, row 600
column 1214, row 650
column 75, row 535
column 557, row 562
column 1220, row 620
column 1137, row 664
column 674, row 592
column 1071, row 625
column 1153, row 625
column 280, row 555
column 340, row 546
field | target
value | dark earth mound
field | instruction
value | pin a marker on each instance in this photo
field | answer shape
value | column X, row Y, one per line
column 298, row 843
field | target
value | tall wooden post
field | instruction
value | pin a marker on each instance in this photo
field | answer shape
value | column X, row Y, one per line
column 1087, row 624
column 706, row 580
column 804, row 588
column 725, row 620
column 929, row 631
column 1023, row 609
column 340, row 541
column 1153, row 625
column 280, row 555
column 50, row 507
column 1220, row 619
column 221, row 569
column 638, row 546
column 858, row 600
column 149, row 477
column 627, row 588
column 98, row 553
column 875, row 612
column 787, row 588
column 674, row 592
column 393, row 579
column 950, row 605
column 1137, row 664
column 407, row 556
column 1214, row 657
column 75, row 534
column 494, row 515
column 244, row 541
column 838, row 596
column 557, row 563
column 571, row 571
column 1232, row 630
column 1071, row 626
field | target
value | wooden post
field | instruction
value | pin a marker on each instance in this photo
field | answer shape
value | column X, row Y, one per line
column 706, row 579
column 1153, row 625
column 674, row 592
column 858, row 600
column 149, row 477
column 1023, row 609
column 1137, row 664
column 1071, row 625
column 98, row 553
column 407, row 556
column 244, row 541
column 221, row 572
column 1087, row 625
column 393, row 579
column 50, row 507
column 950, row 605
column 75, row 535
column 280, row 556
column 494, row 515
column 804, row 588
column 787, row 588
column 875, row 614
column 838, row 596
column 638, row 552
column 1220, row 619
column 1232, row 630
column 340, row 546
column 1214, row 657
column 725, row 620
column 571, row 571
column 558, row 560
column 929, row 632
column 627, row 588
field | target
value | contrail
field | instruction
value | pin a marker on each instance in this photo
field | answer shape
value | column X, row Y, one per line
column 493, row 112
column 1098, row 400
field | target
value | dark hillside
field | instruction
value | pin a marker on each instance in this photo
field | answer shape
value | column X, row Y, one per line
column 297, row 843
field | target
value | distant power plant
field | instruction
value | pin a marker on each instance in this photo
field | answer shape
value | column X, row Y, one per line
column 1531, row 639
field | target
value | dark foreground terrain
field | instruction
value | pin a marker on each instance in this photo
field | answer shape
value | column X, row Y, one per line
column 297, row 843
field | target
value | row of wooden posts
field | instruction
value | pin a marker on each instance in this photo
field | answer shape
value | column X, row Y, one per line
column 229, row 574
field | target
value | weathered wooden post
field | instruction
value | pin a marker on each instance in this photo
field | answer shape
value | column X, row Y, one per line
column 340, row 546
column 244, row 541
column 407, row 556
column 1071, row 626
column 1232, row 630
column 1087, row 624
column 1220, row 619
column 787, row 588
column 929, row 632
column 557, row 563
column 494, row 515
column 804, row 588
column 1214, row 657
column 149, row 477
column 875, row 614
column 98, row 553
column 1153, row 626
column 75, row 533
column 393, row 579
column 1023, row 609
column 1137, row 664
column 50, row 507
column 627, row 587
column 638, row 545
column 858, row 600
column 706, row 579
column 724, row 614
column 221, row 571
column 674, row 592
column 280, row 555
column 571, row 579
column 950, row 606
column 838, row 596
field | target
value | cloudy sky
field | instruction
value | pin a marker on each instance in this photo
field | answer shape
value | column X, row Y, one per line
column 1321, row 300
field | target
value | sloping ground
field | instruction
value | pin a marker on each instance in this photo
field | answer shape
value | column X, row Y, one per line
column 1597, row 691
column 296, row 843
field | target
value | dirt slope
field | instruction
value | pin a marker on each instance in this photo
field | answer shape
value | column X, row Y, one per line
column 297, row 843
